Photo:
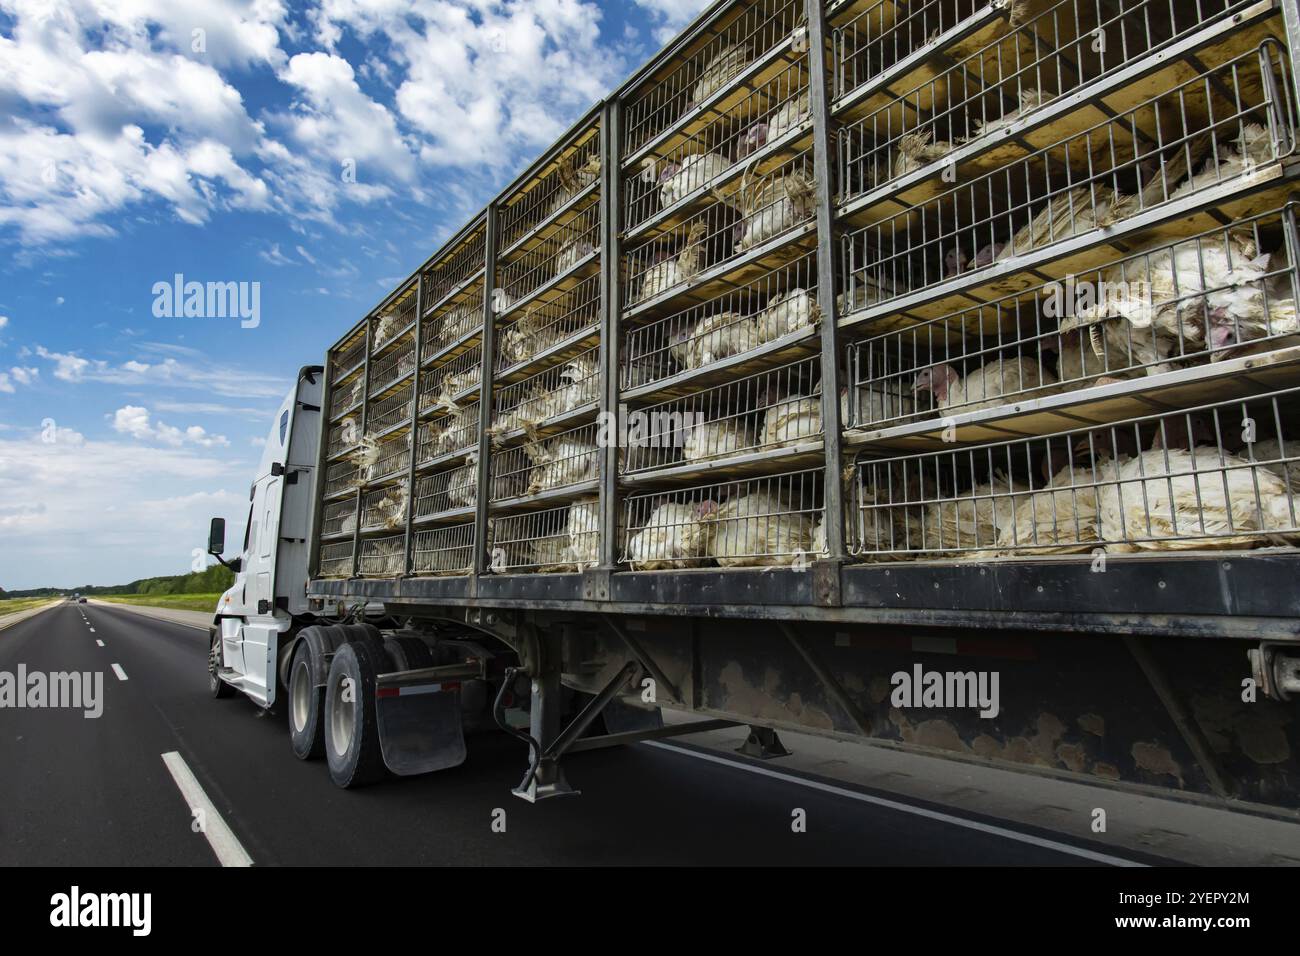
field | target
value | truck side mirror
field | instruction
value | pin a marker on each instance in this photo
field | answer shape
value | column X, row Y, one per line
column 217, row 536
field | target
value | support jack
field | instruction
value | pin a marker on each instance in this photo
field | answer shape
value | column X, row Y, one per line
column 763, row 744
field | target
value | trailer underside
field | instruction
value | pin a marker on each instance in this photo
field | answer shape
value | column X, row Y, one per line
column 1164, row 673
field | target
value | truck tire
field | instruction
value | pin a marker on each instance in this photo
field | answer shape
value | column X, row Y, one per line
column 218, row 688
column 352, row 747
column 408, row 653
column 306, row 706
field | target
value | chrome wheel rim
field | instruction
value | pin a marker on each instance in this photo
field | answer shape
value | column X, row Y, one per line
column 300, row 692
column 343, row 721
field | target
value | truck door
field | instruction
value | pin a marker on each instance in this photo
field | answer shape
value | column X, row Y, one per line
column 261, row 629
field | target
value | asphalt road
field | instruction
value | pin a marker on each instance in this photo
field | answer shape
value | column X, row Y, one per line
column 79, row 791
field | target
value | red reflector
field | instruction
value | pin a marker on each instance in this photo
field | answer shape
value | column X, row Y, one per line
column 388, row 691
column 451, row 685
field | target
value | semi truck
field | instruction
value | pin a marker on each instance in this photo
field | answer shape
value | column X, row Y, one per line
column 922, row 373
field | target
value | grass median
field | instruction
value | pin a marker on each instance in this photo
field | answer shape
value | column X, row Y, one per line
column 176, row 602
column 17, row 605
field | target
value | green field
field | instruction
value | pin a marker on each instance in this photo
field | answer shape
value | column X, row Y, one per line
column 180, row 602
column 14, row 605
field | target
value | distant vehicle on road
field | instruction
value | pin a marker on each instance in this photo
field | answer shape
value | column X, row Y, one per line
column 81, row 600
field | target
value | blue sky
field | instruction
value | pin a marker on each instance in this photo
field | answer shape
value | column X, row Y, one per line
column 144, row 138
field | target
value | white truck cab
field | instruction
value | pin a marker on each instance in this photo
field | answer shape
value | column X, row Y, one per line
column 271, row 569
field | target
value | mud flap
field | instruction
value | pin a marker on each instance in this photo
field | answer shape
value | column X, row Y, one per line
column 419, row 728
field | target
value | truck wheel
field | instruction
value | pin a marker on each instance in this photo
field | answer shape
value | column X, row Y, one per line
column 218, row 688
column 351, row 730
column 306, row 706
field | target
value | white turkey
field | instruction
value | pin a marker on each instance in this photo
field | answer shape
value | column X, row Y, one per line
column 870, row 286
column 984, row 387
column 390, row 509
column 1257, row 315
column 1084, row 353
column 579, row 384
column 874, row 404
column 677, row 180
column 573, row 180
column 566, row 460
column 791, row 421
column 1062, row 517
column 1281, row 461
column 971, row 520
column 759, row 529
column 789, row 115
column 527, row 336
column 720, row 70
column 459, row 431
column 1030, row 99
column 712, row 439
column 571, row 253
column 454, row 383
column 549, row 553
column 1067, row 214
column 537, row 404
column 666, row 272
column 1173, row 499
column 787, row 312
column 583, row 530
column 462, row 485
column 387, row 326
column 1171, row 302
column 915, row 150
column 1252, row 147
column 769, row 205
column 384, row 556
column 366, row 455
column 439, row 560
column 716, row 337
column 675, row 536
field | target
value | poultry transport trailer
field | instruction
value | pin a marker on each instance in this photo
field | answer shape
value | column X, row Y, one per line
column 847, row 345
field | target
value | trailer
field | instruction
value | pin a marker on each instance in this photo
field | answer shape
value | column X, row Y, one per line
column 852, row 359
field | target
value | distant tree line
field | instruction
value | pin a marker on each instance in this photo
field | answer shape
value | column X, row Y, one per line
column 208, row 581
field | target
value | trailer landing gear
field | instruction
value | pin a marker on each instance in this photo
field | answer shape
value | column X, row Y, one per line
column 545, row 777
column 762, row 743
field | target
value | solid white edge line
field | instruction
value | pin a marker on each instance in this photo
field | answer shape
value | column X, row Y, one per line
column 117, row 669
column 904, row 807
column 224, row 843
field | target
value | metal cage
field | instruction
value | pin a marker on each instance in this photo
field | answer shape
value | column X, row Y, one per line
column 1216, row 476
column 1193, row 301
column 759, row 522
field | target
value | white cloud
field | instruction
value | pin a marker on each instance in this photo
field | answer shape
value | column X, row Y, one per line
column 4, row 320
column 307, row 256
column 134, row 420
column 97, row 73
column 484, row 83
column 671, row 15
column 274, row 256
column 112, row 107
column 189, row 372
column 339, row 123
column 90, row 511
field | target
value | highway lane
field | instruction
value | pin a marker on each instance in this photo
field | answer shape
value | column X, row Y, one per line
column 97, row 791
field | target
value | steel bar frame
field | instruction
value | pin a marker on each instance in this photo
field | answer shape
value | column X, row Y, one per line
column 859, row 592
